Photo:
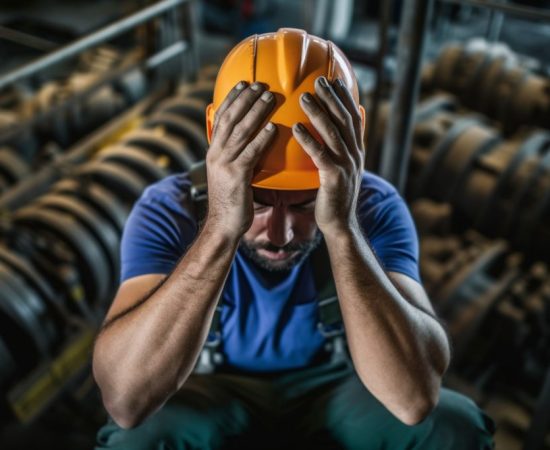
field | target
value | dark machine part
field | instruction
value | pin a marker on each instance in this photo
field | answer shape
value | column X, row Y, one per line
column 76, row 114
column 27, row 328
column 496, row 305
column 95, row 195
column 71, row 123
column 426, row 109
column 183, row 128
column 498, row 186
column 158, row 142
column 144, row 163
column 126, row 184
column 192, row 108
column 201, row 89
column 490, row 79
column 63, row 229
column 12, row 168
column 106, row 236
column 60, row 232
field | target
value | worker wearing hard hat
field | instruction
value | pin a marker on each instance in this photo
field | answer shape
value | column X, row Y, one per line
column 298, row 290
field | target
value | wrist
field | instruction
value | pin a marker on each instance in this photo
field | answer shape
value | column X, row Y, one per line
column 341, row 230
column 216, row 229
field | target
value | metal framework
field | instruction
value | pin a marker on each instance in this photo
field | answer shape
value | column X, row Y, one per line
column 173, row 38
column 396, row 151
column 397, row 141
column 104, row 34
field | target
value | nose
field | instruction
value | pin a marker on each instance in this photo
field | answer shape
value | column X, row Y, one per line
column 279, row 226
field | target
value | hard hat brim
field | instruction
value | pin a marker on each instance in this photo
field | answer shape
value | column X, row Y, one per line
column 287, row 180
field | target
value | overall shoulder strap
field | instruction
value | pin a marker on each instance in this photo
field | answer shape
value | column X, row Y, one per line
column 329, row 307
column 199, row 189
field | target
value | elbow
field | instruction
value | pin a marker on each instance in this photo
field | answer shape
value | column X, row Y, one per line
column 416, row 414
column 123, row 415
column 125, row 408
column 416, row 409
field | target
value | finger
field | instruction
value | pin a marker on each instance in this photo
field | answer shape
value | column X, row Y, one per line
column 257, row 147
column 347, row 100
column 326, row 128
column 236, row 111
column 337, row 111
column 233, row 94
column 317, row 151
column 247, row 128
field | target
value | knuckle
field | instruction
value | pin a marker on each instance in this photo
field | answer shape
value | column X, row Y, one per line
column 223, row 122
column 251, row 149
column 333, row 134
column 238, row 131
column 346, row 117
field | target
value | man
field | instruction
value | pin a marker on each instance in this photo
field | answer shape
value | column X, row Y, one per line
column 284, row 171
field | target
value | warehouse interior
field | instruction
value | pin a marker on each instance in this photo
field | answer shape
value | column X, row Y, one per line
column 100, row 99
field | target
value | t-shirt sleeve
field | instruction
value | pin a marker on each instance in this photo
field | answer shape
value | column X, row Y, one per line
column 155, row 236
column 389, row 227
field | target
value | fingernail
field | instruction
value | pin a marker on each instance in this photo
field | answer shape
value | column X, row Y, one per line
column 306, row 97
column 269, row 126
column 266, row 96
column 240, row 86
column 255, row 86
column 323, row 82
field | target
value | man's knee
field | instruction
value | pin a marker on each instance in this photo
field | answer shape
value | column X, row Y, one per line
column 172, row 428
column 354, row 419
column 456, row 423
column 194, row 418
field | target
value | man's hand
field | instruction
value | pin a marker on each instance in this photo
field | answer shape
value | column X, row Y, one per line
column 340, row 158
column 238, row 142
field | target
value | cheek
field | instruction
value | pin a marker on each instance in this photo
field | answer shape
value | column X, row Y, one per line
column 257, row 228
column 305, row 226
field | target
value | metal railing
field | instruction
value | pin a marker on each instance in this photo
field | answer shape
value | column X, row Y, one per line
column 98, row 37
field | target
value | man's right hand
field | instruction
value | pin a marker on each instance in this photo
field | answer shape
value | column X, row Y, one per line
column 238, row 142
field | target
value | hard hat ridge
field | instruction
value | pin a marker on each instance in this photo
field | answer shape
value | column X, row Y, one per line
column 288, row 62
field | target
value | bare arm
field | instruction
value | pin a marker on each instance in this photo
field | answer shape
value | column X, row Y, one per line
column 145, row 355
column 149, row 344
column 399, row 350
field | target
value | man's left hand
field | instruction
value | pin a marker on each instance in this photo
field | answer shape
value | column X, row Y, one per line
column 339, row 158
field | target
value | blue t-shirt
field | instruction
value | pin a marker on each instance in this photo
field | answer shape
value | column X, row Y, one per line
column 268, row 322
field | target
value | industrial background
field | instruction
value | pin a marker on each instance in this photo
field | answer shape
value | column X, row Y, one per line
column 99, row 99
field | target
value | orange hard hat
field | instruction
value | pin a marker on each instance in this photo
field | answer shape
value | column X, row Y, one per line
column 287, row 62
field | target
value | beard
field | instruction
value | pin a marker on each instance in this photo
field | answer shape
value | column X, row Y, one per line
column 301, row 251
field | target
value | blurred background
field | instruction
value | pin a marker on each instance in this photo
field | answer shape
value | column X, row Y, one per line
column 99, row 99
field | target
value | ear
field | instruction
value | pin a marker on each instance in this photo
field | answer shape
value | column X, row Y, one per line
column 363, row 122
column 209, row 121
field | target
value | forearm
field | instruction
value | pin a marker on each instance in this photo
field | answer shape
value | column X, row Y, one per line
column 145, row 355
column 399, row 351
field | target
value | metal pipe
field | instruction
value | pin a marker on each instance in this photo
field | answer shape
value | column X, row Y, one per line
column 494, row 25
column 102, row 35
column 189, row 20
column 166, row 54
column 373, row 154
column 26, row 39
column 526, row 12
column 395, row 156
